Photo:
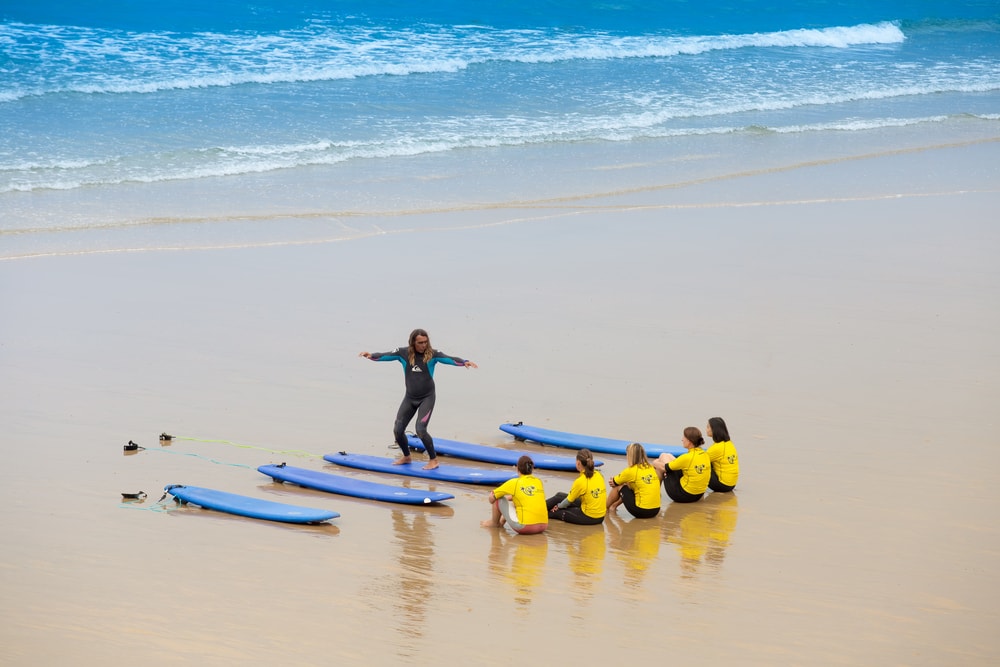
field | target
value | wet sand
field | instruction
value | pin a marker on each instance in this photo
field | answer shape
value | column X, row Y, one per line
column 841, row 315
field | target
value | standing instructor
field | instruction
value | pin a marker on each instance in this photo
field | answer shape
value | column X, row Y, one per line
column 418, row 360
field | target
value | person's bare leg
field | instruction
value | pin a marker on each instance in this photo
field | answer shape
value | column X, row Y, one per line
column 495, row 519
column 660, row 464
column 614, row 498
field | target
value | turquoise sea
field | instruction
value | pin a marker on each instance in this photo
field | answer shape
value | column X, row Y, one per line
column 100, row 93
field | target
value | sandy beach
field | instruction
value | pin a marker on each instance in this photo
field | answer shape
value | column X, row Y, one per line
column 835, row 303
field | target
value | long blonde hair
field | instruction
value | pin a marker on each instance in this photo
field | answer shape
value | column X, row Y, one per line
column 428, row 353
column 635, row 454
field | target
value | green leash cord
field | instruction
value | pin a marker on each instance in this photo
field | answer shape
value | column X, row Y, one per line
column 165, row 437
column 131, row 501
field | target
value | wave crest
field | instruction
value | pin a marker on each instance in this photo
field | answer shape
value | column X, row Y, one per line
column 91, row 61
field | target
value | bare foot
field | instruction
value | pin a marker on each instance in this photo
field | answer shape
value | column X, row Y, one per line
column 488, row 524
column 431, row 464
column 401, row 460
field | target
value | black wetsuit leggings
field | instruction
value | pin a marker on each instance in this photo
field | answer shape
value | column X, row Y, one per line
column 716, row 485
column 422, row 408
column 572, row 513
column 672, row 485
column 628, row 499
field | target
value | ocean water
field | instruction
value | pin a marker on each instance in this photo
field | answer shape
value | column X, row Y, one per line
column 94, row 94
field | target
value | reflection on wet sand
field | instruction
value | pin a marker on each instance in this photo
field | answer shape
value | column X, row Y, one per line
column 520, row 559
column 585, row 548
column 636, row 544
column 701, row 531
column 415, row 540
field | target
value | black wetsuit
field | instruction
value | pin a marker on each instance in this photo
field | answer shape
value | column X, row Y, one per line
column 419, row 398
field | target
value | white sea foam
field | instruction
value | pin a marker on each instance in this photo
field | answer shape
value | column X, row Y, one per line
column 95, row 61
column 232, row 161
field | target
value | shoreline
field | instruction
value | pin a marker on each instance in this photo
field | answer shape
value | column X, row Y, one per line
column 318, row 205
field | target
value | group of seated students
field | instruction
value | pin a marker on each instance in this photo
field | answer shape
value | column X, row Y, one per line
column 521, row 503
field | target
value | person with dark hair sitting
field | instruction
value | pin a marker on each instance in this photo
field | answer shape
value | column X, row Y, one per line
column 722, row 454
column 586, row 502
column 685, row 478
column 526, row 494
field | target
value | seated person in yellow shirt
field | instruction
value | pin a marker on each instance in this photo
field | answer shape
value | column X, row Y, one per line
column 586, row 502
column 526, row 493
column 685, row 478
column 638, row 486
column 722, row 454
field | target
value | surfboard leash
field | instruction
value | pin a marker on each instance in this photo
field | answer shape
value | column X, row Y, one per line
column 167, row 438
column 193, row 454
column 130, row 501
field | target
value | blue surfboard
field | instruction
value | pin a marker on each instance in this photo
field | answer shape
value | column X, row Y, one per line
column 577, row 441
column 443, row 473
column 246, row 506
column 468, row 450
column 347, row 486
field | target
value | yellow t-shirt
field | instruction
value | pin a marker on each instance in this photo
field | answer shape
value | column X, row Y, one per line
column 644, row 482
column 592, row 494
column 529, row 498
column 725, row 462
column 697, row 470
